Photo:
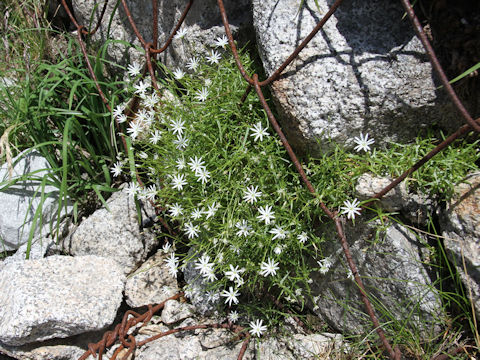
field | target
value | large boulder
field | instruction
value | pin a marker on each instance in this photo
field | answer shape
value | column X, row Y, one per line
column 364, row 72
column 20, row 201
column 115, row 232
column 203, row 25
column 58, row 296
column 390, row 263
column 461, row 231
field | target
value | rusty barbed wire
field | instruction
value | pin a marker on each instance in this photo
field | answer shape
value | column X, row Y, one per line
column 151, row 50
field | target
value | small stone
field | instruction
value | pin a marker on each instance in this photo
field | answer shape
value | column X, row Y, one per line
column 114, row 233
column 151, row 283
column 316, row 346
column 175, row 311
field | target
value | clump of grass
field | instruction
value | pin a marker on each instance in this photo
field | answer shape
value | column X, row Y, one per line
column 55, row 108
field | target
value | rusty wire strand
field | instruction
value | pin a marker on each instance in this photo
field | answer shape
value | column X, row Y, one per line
column 172, row 35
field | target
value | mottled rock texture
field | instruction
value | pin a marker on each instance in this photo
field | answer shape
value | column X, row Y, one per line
column 461, row 231
column 365, row 71
column 58, row 296
column 390, row 265
column 115, row 233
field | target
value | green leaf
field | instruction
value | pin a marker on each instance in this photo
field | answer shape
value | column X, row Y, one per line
column 465, row 73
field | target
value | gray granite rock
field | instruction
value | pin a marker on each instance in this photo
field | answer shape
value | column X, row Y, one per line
column 390, row 264
column 151, row 283
column 364, row 72
column 416, row 207
column 20, row 201
column 58, row 352
column 316, row 346
column 203, row 25
column 54, row 349
column 38, row 250
column 58, row 296
column 461, row 230
column 175, row 311
column 114, row 233
column 274, row 349
column 368, row 185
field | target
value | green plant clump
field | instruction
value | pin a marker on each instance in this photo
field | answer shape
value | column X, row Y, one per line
column 241, row 216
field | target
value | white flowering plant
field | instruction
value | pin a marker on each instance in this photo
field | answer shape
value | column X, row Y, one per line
column 228, row 189
column 225, row 183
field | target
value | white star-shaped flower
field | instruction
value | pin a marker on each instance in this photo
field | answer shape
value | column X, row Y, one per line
column 363, row 143
column 351, row 208
column 178, row 181
column 116, row 169
column 132, row 189
column 192, row 64
column 177, row 126
column 155, row 137
column 234, row 273
column 303, row 237
column 203, row 264
column 172, row 264
column 134, row 129
column 210, row 275
column 203, row 175
column 141, row 88
column 251, row 194
column 257, row 328
column 151, row 100
column 119, row 109
column 279, row 233
column 180, row 164
column 211, row 210
column 196, row 214
column 181, row 33
column 221, row 41
column 212, row 296
column 191, row 230
column 121, row 118
column 134, row 69
column 233, row 316
column 178, row 74
column 278, row 249
column 350, row 275
column 325, row 265
column 243, row 228
column 201, row 95
column 175, row 210
column 258, row 132
column 268, row 268
column 230, row 296
column 181, row 142
column 266, row 214
column 214, row 57
column 196, row 164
